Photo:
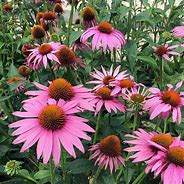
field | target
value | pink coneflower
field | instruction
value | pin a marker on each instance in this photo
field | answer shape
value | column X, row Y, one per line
column 136, row 97
column 165, row 51
column 169, row 163
column 104, row 98
column 121, row 86
column 41, row 54
column 7, row 8
column 78, row 45
column 104, row 35
column 164, row 103
column 108, row 153
column 147, row 144
column 62, row 89
column 178, row 31
column 105, row 78
column 49, row 17
column 50, row 125
column 89, row 17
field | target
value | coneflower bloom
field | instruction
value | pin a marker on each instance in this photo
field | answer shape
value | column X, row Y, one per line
column 164, row 103
column 62, row 89
column 58, row 8
column 26, row 49
column 178, row 31
column 165, row 51
column 169, row 163
column 78, row 45
column 49, row 17
column 39, row 16
column 24, row 71
column 89, row 17
column 66, row 56
column 50, row 124
column 7, row 8
column 41, row 54
column 105, row 78
column 104, row 98
column 108, row 153
column 38, row 32
column 136, row 97
column 104, row 35
column 147, row 144
column 120, row 86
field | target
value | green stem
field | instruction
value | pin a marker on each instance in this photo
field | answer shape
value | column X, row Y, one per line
column 139, row 178
column 129, row 20
column 70, row 23
column 28, row 178
column 63, row 165
column 114, row 54
column 53, row 74
column 165, row 125
column 135, row 120
column 97, row 127
column 119, row 175
column 96, row 175
column 52, row 177
column 170, row 13
column 158, row 124
column 161, row 73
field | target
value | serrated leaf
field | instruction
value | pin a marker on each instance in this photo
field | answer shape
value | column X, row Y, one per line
column 148, row 60
column 42, row 174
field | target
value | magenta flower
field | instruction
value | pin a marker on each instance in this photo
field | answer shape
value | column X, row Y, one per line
column 108, row 153
column 169, row 163
column 178, row 31
column 103, row 97
column 165, row 51
column 105, row 78
column 40, row 55
column 147, row 144
column 62, row 89
column 104, row 35
column 164, row 103
column 50, row 124
column 78, row 45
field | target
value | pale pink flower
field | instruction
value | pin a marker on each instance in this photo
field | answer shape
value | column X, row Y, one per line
column 40, row 55
column 169, row 163
column 178, row 31
column 165, row 103
column 108, row 153
column 165, row 51
column 50, row 125
column 105, row 78
column 104, row 35
column 147, row 144
column 62, row 89
column 104, row 98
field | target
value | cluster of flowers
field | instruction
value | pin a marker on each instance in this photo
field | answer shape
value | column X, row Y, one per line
column 162, row 153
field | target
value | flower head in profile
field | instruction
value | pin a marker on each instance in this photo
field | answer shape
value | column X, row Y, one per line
column 62, row 89
column 18, row 82
column 165, row 51
column 147, row 144
column 40, row 55
column 50, row 125
column 24, row 71
column 66, row 56
column 89, row 17
column 103, row 98
column 49, row 17
column 108, row 153
column 178, row 31
column 7, row 8
column 26, row 49
column 79, row 46
column 169, row 163
column 38, row 32
column 136, row 97
column 104, row 35
column 105, row 78
column 165, row 103
column 58, row 9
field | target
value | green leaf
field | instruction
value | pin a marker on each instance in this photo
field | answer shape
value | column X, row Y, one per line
column 12, row 71
column 3, row 151
column 74, row 36
column 144, row 17
column 148, row 60
column 3, row 98
column 80, row 166
column 42, row 174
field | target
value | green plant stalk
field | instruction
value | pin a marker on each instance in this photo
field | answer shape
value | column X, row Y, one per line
column 70, row 23
column 170, row 13
column 52, row 177
column 63, row 165
column 53, row 74
column 129, row 20
column 139, row 178
column 114, row 54
column 165, row 125
column 28, row 178
column 161, row 73
column 97, row 127
column 135, row 120
column 96, row 175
